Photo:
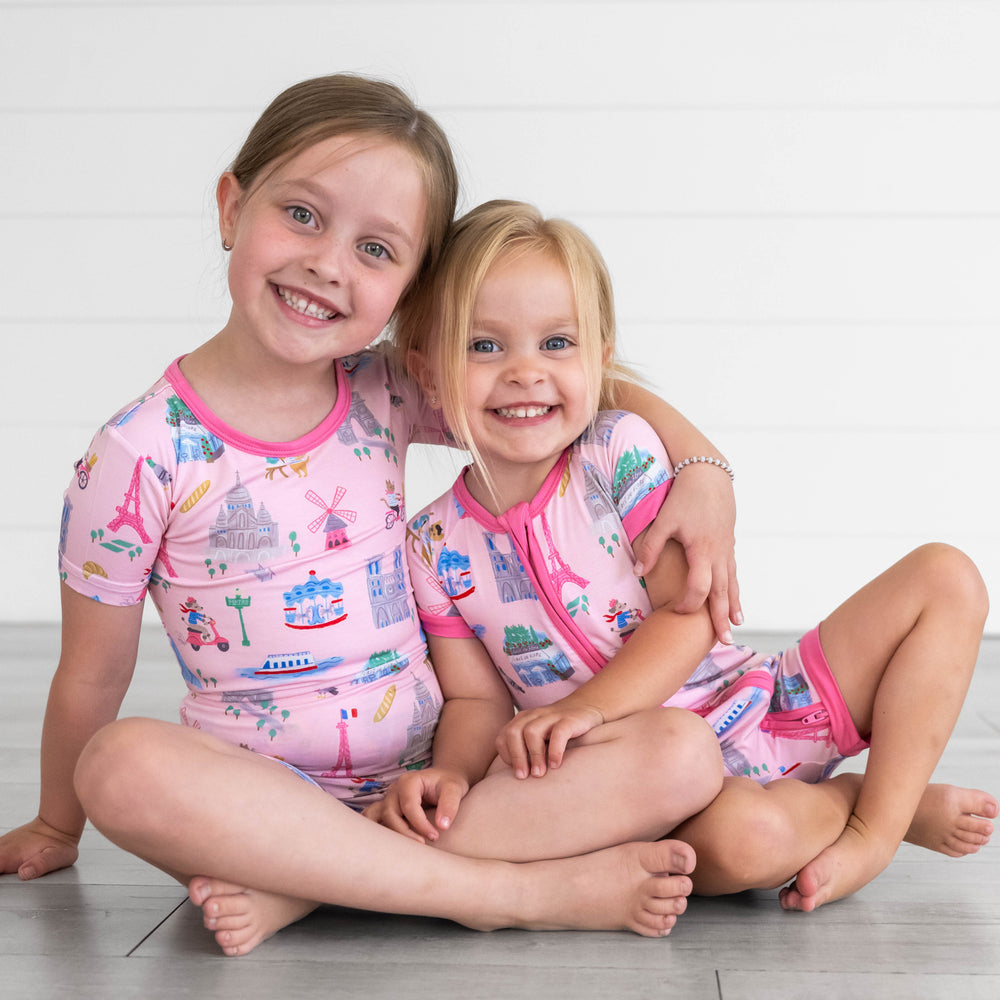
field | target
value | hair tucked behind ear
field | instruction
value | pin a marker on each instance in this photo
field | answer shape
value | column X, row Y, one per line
column 436, row 322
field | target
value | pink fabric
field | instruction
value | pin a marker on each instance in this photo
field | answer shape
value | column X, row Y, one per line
column 845, row 734
column 548, row 589
column 277, row 569
column 528, row 578
column 250, row 445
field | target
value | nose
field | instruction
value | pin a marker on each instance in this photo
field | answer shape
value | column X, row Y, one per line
column 327, row 258
column 524, row 368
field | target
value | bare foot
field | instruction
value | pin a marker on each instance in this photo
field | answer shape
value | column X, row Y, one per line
column 241, row 918
column 642, row 887
column 844, row 867
column 952, row 820
column 949, row 819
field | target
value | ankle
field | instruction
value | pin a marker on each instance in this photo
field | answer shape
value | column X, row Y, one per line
column 879, row 844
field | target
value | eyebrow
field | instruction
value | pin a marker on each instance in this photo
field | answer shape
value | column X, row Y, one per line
column 285, row 189
column 489, row 323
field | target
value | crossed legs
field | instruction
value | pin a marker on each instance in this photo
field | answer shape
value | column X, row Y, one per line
column 902, row 649
column 276, row 846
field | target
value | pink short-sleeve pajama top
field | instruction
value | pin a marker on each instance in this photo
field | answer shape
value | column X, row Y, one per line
column 278, row 571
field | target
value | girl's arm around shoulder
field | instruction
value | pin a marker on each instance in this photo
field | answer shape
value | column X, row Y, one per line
column 426, row 423
column 654, row 663
column 99, row 645
column 700, row 513
column 477, row 704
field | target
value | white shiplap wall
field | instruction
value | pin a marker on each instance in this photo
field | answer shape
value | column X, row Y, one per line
column 798, row 200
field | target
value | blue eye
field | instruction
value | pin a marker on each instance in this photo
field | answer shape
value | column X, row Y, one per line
column 300, row 214
column 483, row 346
column 557, row 343
column 375, row 250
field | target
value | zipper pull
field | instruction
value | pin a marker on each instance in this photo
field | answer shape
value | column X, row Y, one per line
column 820, row 715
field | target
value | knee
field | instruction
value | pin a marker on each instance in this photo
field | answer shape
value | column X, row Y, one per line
column 682, row 750
column 109, row 773
column 953, row 573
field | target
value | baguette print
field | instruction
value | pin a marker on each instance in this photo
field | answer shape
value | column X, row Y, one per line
column 196, row 496
column 383, row 709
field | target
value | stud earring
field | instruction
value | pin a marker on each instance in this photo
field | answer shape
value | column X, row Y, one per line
column 226, row 246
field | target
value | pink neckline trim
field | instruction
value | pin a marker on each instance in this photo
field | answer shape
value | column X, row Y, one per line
column 253, row 446
column 501, row 523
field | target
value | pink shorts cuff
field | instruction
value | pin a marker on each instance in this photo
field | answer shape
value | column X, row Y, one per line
column 845, row 734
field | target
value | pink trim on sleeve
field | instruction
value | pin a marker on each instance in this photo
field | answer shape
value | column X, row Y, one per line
column 642, row 515
column 447, row 626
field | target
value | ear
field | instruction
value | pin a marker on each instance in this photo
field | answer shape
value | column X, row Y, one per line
column 229, row 198
column 419, row 368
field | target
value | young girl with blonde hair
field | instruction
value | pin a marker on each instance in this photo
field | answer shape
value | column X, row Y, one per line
column 254, row 492
column 524, row 576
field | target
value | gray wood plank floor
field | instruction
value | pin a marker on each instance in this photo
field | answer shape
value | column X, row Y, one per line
column 114, row 927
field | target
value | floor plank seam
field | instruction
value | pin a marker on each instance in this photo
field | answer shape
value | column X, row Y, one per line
column 150, row 933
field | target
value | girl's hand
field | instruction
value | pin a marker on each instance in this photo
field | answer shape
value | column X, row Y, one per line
column 536, row 739
column 36, row 849
column 700, row 513
column 402, row 809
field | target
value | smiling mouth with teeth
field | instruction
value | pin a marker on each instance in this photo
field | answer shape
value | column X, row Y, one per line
column 305, row 306
column 522, row 411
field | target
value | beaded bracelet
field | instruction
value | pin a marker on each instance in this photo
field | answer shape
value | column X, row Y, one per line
column 725, row 466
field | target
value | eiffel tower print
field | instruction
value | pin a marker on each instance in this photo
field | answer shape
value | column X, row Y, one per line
column 126, row 513
column 562, row 573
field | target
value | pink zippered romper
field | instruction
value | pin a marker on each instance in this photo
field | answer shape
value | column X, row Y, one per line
column 278, row 571
column 548, row 589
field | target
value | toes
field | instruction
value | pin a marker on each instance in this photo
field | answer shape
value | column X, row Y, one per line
column 667, row 856
column 654, row 924
column 664, row 906
column 234, row 922
column 201, row 887
column 234, row 943
column 988, row 807
column 791, row 899
column 670, row 886
column 806, row 883
column 199, row 890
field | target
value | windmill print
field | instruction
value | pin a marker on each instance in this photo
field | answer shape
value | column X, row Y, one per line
column 333, row 520
column 444, row 606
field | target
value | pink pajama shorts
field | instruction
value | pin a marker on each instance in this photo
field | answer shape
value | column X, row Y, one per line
column 775, row 716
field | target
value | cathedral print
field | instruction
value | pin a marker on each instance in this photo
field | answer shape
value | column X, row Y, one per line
column 241, row 533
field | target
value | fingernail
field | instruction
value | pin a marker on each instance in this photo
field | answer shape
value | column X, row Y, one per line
column 27, row 874
column 739, row 618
